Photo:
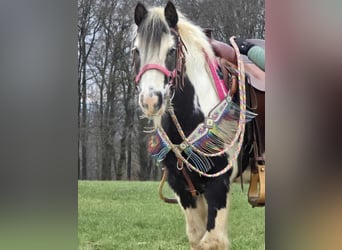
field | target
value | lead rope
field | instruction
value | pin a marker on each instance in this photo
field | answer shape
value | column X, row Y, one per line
column 239, row 134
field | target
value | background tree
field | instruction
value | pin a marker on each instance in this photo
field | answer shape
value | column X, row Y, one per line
column 88, row 26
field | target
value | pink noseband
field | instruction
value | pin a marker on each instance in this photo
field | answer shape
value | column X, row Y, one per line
column 170, row 74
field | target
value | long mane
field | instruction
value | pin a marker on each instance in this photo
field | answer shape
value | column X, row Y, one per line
column 193, row 36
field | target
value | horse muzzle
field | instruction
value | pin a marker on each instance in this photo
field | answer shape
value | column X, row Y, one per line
column 151, row 102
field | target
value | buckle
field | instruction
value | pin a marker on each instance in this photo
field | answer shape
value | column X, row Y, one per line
column 209, row 123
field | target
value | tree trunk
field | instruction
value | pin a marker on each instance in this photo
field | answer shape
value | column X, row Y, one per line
column 144, row 158
column 84, row 128
column 130, row 116
column 79, row 130
column 129, row 152
column 106, row 159
column 122, row 158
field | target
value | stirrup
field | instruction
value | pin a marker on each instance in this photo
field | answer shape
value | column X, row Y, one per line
column 256, row 191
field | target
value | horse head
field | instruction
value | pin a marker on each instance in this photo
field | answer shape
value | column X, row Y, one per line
column 155, row 57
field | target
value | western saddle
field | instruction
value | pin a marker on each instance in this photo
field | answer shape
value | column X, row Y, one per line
column 253, row 149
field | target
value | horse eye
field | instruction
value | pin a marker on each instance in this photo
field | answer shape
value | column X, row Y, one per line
column 171, row 51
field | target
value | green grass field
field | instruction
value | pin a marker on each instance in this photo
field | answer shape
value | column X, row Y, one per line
column 129, row 215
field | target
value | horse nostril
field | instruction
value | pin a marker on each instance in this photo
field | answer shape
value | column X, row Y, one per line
column 159, row 102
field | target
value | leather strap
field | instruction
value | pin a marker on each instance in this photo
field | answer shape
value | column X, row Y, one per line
column 230, row 74
column 191, row 186
column 161, row 185
column 253, row 105
column 256, row 191
column 220, row 85
column 165, row 71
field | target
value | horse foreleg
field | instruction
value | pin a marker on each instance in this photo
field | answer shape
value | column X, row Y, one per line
column 216, row 235
column 217, row 238
column 196, row 220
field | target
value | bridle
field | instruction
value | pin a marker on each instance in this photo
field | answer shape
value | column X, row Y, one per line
column 173, row 76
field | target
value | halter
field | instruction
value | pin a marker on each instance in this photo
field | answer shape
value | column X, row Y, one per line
column 171, row 75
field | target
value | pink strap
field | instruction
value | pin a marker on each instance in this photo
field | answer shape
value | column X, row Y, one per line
column 213, row 66
column 158, row 67
column 219, row 83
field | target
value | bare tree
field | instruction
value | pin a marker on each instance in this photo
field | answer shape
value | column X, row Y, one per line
column 88, row 26
column 229, row 17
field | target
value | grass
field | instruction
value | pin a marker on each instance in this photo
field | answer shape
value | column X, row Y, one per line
column 129, row 215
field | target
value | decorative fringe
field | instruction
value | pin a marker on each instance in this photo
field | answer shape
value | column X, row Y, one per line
column 219, row 128
column 158, row 147
column 200, row 162
column 210, row 137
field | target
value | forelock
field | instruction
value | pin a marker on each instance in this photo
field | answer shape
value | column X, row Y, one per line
column 152, row 29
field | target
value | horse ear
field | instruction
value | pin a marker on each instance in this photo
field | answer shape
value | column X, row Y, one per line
column 171, row 15
column 139, row 13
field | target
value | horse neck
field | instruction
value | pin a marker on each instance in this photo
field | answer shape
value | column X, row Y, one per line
column 187, row 111
column 198, row 73
column 193, row 101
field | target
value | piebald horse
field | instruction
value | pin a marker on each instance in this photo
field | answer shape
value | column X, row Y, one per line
column 171, row 57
